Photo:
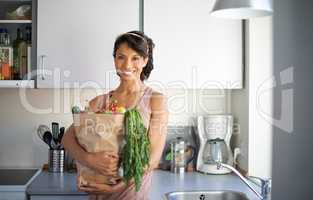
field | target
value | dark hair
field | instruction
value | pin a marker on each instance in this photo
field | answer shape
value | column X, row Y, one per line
column 142, row 44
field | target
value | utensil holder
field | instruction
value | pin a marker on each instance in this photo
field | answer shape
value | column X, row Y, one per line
column 56, row 160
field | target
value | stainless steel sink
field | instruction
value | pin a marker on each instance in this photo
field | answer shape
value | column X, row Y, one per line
column 206, row 195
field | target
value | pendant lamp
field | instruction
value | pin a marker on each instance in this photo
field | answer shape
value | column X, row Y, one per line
column 242, row 9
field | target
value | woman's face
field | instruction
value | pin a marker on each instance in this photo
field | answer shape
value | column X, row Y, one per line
column 128, row 62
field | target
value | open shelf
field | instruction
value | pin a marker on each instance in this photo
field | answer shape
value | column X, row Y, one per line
column 17, row 84
column 15, row 21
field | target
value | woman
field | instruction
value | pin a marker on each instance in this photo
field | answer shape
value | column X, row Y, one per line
column 133, row 62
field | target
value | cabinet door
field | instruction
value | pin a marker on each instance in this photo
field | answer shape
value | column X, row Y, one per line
column 193, row 49
column 75, row 41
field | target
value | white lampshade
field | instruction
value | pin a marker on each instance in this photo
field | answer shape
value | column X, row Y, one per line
column 242, row 9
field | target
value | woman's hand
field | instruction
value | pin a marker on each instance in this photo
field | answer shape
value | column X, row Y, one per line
column 106, row 163
column 96, row 188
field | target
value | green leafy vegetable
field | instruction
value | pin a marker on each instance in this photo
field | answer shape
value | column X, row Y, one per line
column 136, row 152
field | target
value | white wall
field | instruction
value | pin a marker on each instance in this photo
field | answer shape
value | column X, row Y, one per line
column 20, row 146
column 240, row 110
column 260, row 96
column 252, row 105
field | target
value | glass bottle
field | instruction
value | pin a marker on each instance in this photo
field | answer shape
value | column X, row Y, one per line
column 29, row 48
column 20, row 56
column 6, row 55
column 7, row 39
column 1, row 36
column 22, row 53
column 16, row 62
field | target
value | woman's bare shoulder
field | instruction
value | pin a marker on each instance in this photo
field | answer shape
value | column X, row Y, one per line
column 158, row 101
column 157, row 94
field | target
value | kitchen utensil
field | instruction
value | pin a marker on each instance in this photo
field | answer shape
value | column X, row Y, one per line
column 60, row 136
column 47, row 138
column 54, row 144
column 55, row 131
column 178, row 155
column 41, row 130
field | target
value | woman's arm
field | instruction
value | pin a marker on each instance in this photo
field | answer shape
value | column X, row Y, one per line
column 70, row 144
column 157, row 128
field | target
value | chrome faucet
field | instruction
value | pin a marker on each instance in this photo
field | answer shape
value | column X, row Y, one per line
column 265, row 184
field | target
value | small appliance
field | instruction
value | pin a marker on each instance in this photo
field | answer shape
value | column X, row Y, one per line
column 214, row 133
column 179, row 155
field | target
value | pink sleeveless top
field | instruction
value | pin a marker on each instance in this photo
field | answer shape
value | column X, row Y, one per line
column 129, row 193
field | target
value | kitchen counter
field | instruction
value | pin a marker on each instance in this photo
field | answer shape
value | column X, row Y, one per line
column 14, row 182
column 163, row 181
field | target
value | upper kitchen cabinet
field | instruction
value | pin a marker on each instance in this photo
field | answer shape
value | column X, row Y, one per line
column 76, row 38
column 17, row 49
column 193, row 49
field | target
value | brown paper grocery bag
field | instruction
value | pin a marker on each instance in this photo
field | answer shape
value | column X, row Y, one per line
column 97, row 132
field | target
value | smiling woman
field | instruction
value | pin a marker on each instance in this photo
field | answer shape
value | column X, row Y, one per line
column 133, row 62
column 140, row 48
